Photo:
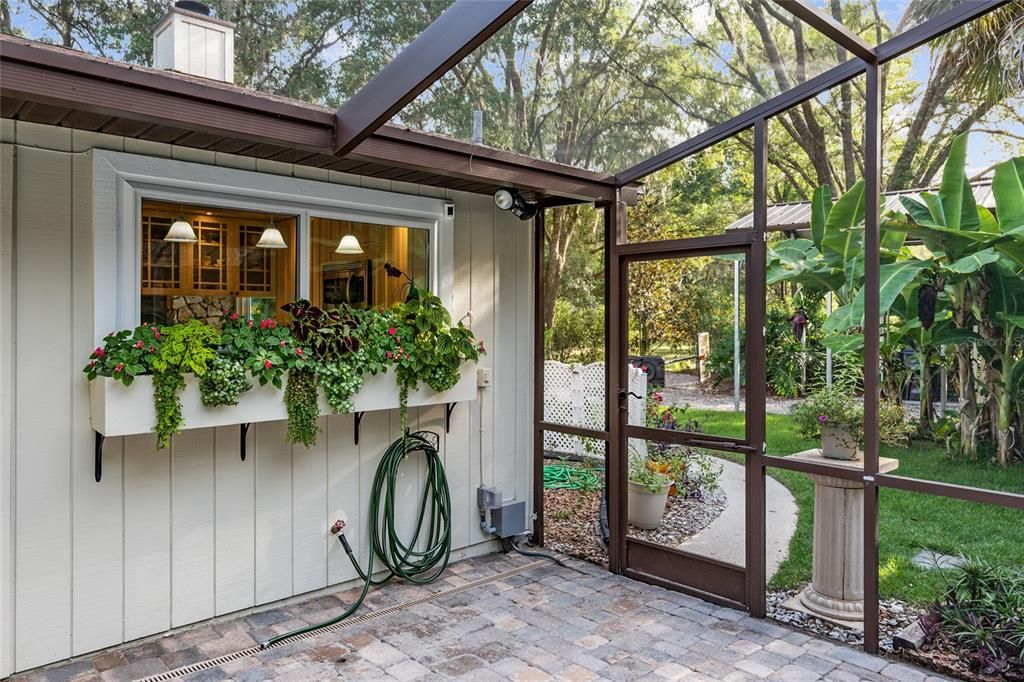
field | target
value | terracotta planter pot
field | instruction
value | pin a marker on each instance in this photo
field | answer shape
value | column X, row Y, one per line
column 644, row 508
column 837, row 443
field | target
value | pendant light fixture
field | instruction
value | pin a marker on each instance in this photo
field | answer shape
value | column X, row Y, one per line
column 349, row 245
column 271, row 238
column 181, row 230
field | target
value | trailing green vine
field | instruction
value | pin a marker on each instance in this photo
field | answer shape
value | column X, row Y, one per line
column 185, row 347
column 166, row 400
column 300, row 397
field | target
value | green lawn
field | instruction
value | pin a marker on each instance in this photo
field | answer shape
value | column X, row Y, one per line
column 908, row 521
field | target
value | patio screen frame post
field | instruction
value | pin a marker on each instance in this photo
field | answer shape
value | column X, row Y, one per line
column 757, row 385
column 736, row 336
column 538, row 375
column 872, row 360
column 616, row 323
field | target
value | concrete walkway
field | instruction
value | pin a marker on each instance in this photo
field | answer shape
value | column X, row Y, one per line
column 498, row 618
column 725, row 538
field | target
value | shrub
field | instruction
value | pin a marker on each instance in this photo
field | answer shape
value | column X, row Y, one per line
column 785, row 355
column 980, row 618
column 577, row 334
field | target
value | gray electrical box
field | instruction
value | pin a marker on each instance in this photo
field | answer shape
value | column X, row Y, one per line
column 509, row 520
column 500, row 518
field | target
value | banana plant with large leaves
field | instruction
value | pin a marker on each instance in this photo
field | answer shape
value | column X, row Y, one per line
column 832, row 260
column 969, row 246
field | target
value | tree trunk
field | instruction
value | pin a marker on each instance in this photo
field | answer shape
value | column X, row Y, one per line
column 557, row 240
column 964, row 319
column 926, row 413
column 969, row 398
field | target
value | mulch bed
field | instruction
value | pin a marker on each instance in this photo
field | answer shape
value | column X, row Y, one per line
column 571, row 522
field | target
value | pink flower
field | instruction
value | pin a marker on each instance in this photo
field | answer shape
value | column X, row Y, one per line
column 263, row 324
column 822, row 418
column 482, row 349
column 643, row 368
column 268, row 364
column 99, row 352
column 152, row 349
column 155, row 330
column 390, row 355
column 234, row 316
column 250, row 323
column 119, row 367
column 392, row 331
column 156, row 335
column 281, row 344
column 298, row 351
column 92, row 363
column 138, row 344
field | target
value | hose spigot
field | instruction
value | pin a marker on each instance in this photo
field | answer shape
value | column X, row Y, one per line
column 338, row 527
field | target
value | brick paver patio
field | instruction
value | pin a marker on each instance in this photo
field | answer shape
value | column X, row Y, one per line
column 547, row 622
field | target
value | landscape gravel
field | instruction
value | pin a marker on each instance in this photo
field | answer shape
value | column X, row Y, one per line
column 893, row 616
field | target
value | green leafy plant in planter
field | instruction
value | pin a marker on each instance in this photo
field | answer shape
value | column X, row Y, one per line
column 186, row 348
column 428, row 347
column 223, row 383
column 839, row 408
column 333, row 349
column 831, row 406
column 264, row 347
column 125, row 355
column 329, row 336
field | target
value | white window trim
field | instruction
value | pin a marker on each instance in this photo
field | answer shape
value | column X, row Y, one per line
column 121, row 181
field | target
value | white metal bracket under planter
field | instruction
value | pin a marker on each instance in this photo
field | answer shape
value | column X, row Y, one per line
column 119, row 410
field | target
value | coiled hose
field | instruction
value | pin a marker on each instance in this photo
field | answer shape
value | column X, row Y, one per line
column 399, row 558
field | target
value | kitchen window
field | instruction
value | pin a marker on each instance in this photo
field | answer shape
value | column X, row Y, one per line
column 347, row 262
column 225, row 269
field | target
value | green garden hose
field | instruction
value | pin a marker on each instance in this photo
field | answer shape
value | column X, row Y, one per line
column 562, row 477
column 399, row 558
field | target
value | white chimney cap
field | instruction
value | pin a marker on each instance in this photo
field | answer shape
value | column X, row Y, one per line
column 189, row 40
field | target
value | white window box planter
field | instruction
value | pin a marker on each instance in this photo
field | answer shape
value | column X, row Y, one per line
column 119, row 410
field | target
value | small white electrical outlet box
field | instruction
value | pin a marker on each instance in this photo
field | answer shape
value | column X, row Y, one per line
column 483, row 377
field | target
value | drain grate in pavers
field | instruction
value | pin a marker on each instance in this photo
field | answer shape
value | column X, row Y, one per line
column 350, row 622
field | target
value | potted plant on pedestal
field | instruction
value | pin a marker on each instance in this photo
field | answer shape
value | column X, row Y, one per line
column 836, row 416
column 648, row 492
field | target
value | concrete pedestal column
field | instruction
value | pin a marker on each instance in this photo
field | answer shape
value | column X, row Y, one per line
column 836, row 591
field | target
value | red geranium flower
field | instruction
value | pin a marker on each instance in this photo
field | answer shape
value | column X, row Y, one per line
column 99, row 352
column 268, row 364
column 234, row 316
column 392, row 331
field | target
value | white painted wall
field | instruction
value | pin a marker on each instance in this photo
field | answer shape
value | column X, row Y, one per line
column 174, row 537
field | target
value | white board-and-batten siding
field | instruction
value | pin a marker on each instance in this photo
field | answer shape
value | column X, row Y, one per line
column 174, row 537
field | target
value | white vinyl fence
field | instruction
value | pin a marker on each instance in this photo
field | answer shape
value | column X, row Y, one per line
column 574, row 395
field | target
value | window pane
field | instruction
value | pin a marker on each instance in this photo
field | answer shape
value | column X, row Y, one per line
column 222, row 270
column 357, row 275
